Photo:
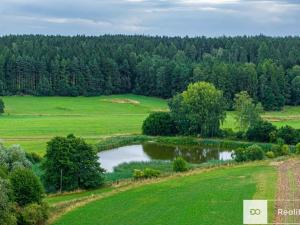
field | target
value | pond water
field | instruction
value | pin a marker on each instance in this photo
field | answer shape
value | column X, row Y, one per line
column 153, row 151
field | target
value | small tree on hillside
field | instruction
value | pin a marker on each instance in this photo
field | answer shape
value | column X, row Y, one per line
column 2, row 106
column 247, row 113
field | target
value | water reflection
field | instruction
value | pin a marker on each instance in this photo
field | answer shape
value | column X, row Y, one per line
column 153, row 151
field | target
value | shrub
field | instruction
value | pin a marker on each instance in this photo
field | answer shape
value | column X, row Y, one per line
column 26, row 186
column 34, row 214
column 251, row 153
column 159, row 123
column 138, row 174
column 288, row 134
column 150, row 173
column 254, row 152
column 261, row 131
column 276, row 149
column 270, row 154
column 240, row 155
column 146, row 173
column 179, row 165
column 285, row 150
column 298, row 148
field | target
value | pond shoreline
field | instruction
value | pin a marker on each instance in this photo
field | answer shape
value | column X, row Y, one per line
column 120, row 141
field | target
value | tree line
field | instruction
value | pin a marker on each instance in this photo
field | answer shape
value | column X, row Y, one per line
column 266, row 67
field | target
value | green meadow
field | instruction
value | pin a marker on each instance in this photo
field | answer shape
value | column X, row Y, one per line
column 32, row 121
column 214, row 197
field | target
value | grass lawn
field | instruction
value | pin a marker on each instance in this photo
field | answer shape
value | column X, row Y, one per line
column 214, row 197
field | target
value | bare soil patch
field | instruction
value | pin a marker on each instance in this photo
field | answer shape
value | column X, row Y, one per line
column 122, row 101
column 288, row 191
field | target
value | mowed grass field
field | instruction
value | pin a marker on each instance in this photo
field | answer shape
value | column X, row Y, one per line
column 290, row 115
column 212, row 197
column 32, row 121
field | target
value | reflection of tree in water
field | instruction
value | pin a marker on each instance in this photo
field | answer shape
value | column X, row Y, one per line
column 189, row 153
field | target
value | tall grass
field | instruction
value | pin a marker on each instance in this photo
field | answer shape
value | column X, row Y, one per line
column 118, row 141
column 125, row 170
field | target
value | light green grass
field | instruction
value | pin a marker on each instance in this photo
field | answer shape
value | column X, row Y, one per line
column 32, row 121
column 214, row 198
column 290, row 115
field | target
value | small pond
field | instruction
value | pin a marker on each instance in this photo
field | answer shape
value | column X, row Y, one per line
column 153, row 151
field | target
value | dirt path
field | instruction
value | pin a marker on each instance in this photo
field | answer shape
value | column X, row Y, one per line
column 288, row 191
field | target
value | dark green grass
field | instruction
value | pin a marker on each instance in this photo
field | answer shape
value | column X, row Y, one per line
column 211, row 198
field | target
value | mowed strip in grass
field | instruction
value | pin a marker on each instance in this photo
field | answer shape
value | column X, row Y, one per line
column 214, row 197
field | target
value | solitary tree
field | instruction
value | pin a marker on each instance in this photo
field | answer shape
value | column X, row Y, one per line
column 247, row 113
column 199, row 110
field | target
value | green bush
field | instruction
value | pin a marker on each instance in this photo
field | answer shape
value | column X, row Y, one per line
column 289, row 135
column 34, row 214
column 179, row 165
column 276, row 149
column 270, row 154
column 298, row 148
column 254, row 152
column 262, row 131
column 285, row 150
column 251, row 153
column 145, row 174
column 138, row 174
column 26, row 186
column 159, row 124
column 240, row 155
column 151, row 173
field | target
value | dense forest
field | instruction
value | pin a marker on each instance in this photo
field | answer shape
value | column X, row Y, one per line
column 267, row 68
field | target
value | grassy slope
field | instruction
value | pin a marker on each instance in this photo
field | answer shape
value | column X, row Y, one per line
column 213, row 197
column 32, row 121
